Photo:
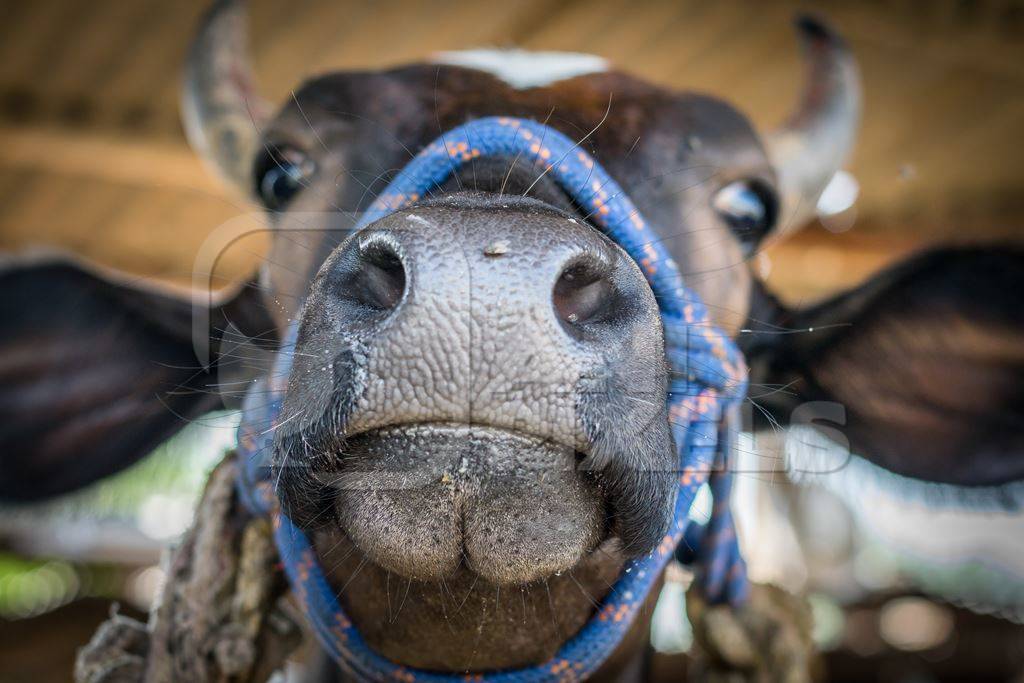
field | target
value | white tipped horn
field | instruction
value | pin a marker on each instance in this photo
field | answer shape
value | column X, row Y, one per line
column 221, row 110
column 813, row 144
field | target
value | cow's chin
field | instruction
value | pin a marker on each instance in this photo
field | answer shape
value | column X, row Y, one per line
column 426, row 501
column 458, row 547
column 464, row 622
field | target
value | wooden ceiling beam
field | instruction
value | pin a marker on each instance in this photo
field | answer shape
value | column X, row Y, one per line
column 120, row 159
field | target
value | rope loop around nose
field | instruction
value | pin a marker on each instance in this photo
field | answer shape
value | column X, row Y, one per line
column 708, row 381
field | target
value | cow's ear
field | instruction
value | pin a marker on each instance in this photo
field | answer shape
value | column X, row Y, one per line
column 920, row 370
column 96, row 370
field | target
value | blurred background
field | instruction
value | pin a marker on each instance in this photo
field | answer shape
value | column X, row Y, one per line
column 93, row 160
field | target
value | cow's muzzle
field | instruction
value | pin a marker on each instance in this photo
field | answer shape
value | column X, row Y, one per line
column 479, row 381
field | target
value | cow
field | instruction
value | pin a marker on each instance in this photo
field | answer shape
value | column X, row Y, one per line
column 475, row 314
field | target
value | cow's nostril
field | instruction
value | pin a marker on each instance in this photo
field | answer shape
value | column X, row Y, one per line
column 583, row 293
column 377, row 279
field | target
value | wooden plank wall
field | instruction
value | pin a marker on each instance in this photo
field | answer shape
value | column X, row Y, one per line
column 92, row 157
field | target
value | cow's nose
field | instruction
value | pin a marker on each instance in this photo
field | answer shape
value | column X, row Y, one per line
column 577, row 273
column 502, row 360
column 370, row 273
column 584, row 291
column 512, row 317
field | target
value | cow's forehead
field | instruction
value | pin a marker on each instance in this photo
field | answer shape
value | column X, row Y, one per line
column 609, row 111
column 670, row 151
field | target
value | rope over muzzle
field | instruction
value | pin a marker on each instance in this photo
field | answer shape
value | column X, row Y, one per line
column 708, row 381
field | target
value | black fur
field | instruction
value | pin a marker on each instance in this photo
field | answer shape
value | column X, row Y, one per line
column 95, row 372
column 927, row 358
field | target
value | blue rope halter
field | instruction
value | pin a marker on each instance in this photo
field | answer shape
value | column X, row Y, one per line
column 708, row 380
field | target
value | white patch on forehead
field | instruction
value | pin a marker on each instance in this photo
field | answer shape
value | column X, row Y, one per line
column 523, row 69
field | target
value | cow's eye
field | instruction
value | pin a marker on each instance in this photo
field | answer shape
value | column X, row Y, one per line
column 281, row 173
column 749, row 207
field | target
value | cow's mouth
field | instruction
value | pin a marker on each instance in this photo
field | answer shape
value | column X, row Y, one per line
column 425, row 500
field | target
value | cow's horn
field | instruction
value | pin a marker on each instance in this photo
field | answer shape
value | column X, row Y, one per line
column 813, row 144
column 221, row 110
